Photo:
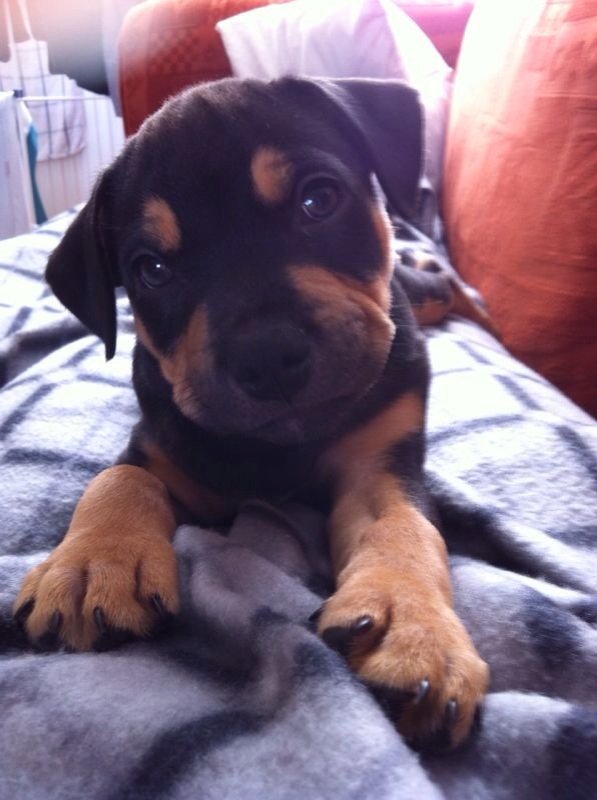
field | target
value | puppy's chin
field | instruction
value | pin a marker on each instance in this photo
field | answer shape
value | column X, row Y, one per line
column 280, row 424
column 298, row 426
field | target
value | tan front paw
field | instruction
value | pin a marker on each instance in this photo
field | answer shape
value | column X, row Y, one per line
column 97, row 590
column 410, row 648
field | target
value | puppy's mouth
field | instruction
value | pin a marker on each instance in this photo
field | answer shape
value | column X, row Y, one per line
column 280, row 423
column 295, row 424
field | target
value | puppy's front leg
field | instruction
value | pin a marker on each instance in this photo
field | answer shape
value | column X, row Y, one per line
column 392, row 614
column 114, row 574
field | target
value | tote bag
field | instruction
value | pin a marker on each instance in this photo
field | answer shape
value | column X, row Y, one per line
column 16, row 213
column 59, row 117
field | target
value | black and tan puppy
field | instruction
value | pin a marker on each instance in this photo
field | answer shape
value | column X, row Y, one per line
column 277, row 354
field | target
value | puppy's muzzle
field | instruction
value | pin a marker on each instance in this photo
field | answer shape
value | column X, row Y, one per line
column 272, row 364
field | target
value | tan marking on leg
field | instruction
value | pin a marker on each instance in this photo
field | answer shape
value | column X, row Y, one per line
column 355, row 465
column 468, row 308
column 391, row 566
column 271, row 173
column 431, row 312
column 425, row 262
column 377, row 519
column 205, row 505
column 362, row 451
column 160, row 222
column 116, row 556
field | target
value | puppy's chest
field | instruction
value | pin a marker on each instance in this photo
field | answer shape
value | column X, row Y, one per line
column 237, row 471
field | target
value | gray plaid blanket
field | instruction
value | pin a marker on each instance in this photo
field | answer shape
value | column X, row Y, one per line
column 241, row 699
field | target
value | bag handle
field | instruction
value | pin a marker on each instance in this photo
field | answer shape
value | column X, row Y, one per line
column 22, row 4
column 25, row 17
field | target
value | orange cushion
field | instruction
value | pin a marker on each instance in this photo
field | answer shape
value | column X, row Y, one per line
column 520, row 181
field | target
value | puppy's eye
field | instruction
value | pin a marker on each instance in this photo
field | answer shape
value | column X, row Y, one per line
column 152, row 272
column 319, row 199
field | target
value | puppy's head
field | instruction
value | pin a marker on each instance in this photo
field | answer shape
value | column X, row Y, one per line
column 245, row 224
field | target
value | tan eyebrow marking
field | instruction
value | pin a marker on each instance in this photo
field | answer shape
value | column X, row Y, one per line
column 160, row 221
column 271, row 172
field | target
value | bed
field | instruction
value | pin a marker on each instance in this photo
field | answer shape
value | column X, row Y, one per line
column 239, row 698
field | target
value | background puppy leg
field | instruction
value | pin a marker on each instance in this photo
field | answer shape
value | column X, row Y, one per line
column 434, row 293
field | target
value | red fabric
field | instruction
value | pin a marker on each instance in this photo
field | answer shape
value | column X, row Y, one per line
column 520, row 182
column 166, row 45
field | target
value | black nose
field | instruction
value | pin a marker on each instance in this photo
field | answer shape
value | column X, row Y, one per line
column 272, row 364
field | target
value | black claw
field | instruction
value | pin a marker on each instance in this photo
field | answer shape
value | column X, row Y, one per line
column 158, row 605
column 100, row 621
column 432, row 266
column 55, row 623
column 477, row 720
column 441, row 741
column 393, row 701
column 109, row 637
column 361, row 625
column 450, row 714
column 421, row 692
column 338, row 638
column 165, row 618
column 160, row 609
column 23, row 611
column 49, row 640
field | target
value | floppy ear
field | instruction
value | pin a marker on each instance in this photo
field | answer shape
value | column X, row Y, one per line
column 79, row 272
column 385, row 119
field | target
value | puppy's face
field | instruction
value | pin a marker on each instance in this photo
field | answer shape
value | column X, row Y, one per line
column 256, row 255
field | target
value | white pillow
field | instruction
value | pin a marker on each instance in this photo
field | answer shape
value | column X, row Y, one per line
column 340, row 39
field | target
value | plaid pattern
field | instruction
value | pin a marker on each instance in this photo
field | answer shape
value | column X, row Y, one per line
column 242, row 700
column 60, row 124
column 174, row 51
